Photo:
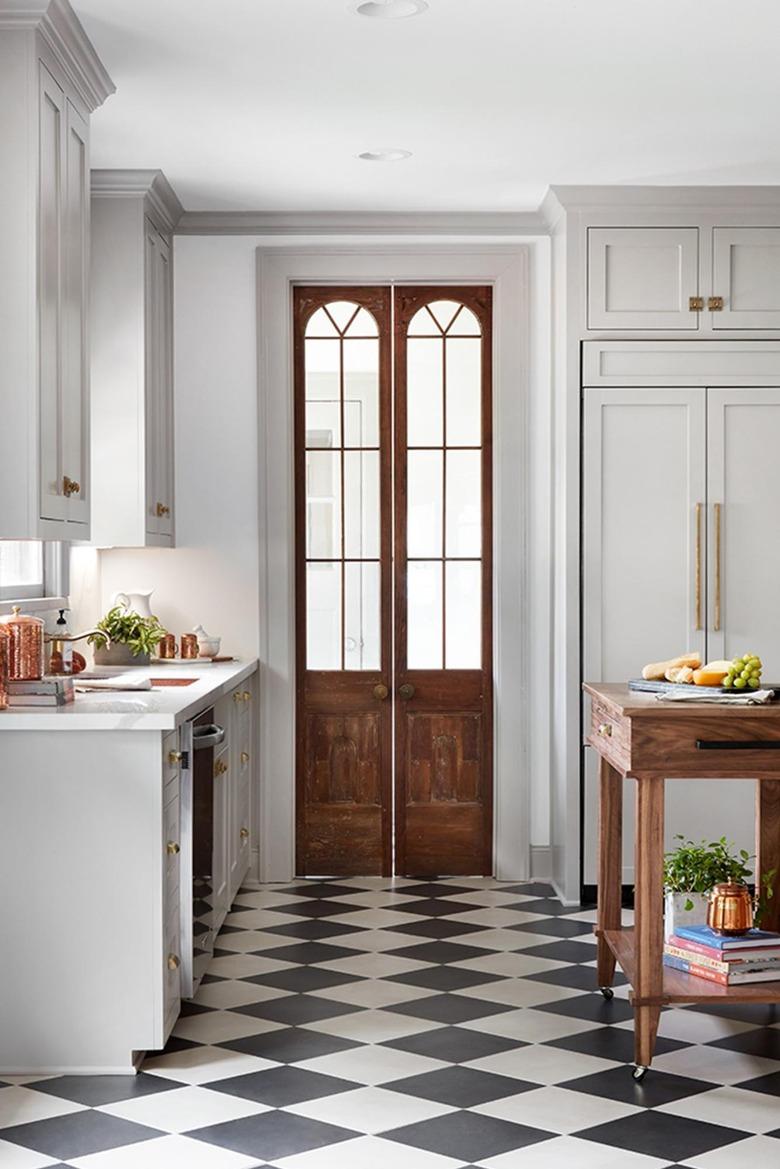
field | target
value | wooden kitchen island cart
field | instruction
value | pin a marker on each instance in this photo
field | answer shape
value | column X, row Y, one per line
column 649, row 741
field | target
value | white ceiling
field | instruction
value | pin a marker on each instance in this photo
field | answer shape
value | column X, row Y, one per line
column 264, row 104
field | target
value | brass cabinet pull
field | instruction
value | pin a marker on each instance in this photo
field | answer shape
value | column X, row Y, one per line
column 715, row 304
column 175, row 757
column 698, row 567
column 717, row 509
column 220, row 767
column 174, row 961
column 70, row 486
column 244, row 756
column 380, row 691
column 695, row 303
column 246, row 696
column 407, row 690
column 244, row 833
column 605, row 729
column 172, row 848
column 162, row 509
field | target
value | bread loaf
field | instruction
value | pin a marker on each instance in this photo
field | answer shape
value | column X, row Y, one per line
column 656, row 671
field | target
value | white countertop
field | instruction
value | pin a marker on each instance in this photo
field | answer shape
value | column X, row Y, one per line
column 158, row 709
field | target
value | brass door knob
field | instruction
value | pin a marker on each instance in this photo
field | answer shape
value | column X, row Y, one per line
column 172, row 848
column 244, row 756
column 175, row 757
column 695, row 303
column 380, row 691
column 174, row 961
column 244, row 833
column 406, row 691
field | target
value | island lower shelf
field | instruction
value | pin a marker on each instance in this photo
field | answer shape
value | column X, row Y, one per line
column 680, row 987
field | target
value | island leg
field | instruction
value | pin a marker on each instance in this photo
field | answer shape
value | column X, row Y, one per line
column 610, row 874
column 768, row 844
column 649, row 927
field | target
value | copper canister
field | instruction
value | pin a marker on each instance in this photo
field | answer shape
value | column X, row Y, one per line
column 25, row 646
column 730, row 910
column 3, row 667
column 189, row 645
column 166, row 646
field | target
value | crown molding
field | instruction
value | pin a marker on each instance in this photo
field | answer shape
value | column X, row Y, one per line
column 574, row 197
column 444, row 223
column 151, row 185
column 64, row 33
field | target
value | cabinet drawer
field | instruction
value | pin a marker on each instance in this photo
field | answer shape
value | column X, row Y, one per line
column 171, row 969
column 611, row 736
column 171, row 842
column 643, row 278
column 693, row 743
column 170, row 764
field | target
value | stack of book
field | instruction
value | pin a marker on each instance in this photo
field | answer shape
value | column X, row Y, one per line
column 728, row 960
column 41, row 692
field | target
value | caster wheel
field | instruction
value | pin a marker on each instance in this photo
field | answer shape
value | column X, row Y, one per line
column 639, row 1073
column 608, row 992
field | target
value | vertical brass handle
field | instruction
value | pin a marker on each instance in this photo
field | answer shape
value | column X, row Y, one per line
column 698, row 567
column 718, row 509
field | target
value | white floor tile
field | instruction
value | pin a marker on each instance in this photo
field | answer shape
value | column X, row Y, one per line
column 183, row 1109
column 20, row 1105
column 373, row 919
column 200, row 1065
column 245, row 966
column 260, row 899
column 371, row 941
column 557, row 1110
column 516, row 965
column 368, row 1153
column 495, row 917
column 221, row 1027
column 572, row 1153
column 738, row 1108
column 370, row 1110
column 373, row 965
column 372, row 1026
column 753, row 1153
column 531, row 1026
column 171, row 1152
column 504, row 939
column 257, row 919
column 224, row 996
column 694, row 1027
column 372, row 1065
column 246, row 940
column 543, row 1065
column 483, row 896
column 715, row 1065
column 376, row 899
column 520, row 992
column 373, row 992
column 15, row 1157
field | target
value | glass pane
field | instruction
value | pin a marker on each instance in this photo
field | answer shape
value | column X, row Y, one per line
column 323, row 616
column 464, row 615
column 323, row 504
column 464, row 385
column 320, row 325
column 342, row 312
column 21, row 568
column 361, row 503
column 361, row 393
column 362, row 617
column 323, row 390
column 424, row 499
column 443, row 311
column 423, row 324
column 465, row 324
column 363, row 325
column 424, row 615
column 424, row 392
column 464, row 504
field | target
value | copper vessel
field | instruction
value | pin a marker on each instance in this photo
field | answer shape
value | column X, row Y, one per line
column 3, row 668
column 25, row 646
column 166, row 647
column 189, row 645
column 730, row 909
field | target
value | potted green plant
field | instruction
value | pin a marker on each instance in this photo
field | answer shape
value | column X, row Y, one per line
column 123, row 638
column 691, row 870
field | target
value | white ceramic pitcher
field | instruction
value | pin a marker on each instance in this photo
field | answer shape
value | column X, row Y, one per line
column 135, row 602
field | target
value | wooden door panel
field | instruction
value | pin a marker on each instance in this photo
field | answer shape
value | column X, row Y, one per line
column 444, row 758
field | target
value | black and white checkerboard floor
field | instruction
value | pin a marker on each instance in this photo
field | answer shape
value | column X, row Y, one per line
column 377, row 1024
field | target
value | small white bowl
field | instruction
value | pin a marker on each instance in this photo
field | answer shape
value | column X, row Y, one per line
column 208, row 647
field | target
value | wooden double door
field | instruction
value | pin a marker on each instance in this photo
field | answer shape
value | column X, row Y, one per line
column 394, row 580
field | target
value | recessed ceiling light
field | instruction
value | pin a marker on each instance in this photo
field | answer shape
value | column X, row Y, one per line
column 389, row 9
column 385, row 155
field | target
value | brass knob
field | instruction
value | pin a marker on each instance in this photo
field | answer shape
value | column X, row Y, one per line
column 244, row 756
column 175, row 757
column 380, row 691
column 605, row 729
column 715, row 304
column 162, row 510
column 237, row 696
column 70, row 486
column 244, row 833
column 695, row 304
column 174, row 961
column 172, row 848
column 220, row 767
column 407, row 690
column 246, row 696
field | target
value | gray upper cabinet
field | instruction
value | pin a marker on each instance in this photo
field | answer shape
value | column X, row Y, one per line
column 133, row 217
column 51, row 80
column 643, row 278
column 746, row 277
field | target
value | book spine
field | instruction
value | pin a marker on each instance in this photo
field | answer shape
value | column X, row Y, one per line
column 697, row 971
column 691, row 955
column 696, row 947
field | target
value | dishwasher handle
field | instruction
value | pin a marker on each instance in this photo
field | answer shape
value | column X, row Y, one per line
column 209, row 735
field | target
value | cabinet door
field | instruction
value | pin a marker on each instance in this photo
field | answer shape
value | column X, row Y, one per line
column 643, row 548
column 75, row 268
column 222, row 780
column 164, row 301
column 152, row 377
column 746, row 274
column 643, row 277
column 743, row 428
column 53, row 502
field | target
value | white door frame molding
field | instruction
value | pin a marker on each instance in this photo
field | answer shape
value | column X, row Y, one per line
column 506, row 268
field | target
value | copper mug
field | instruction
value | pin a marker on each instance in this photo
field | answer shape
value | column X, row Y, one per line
column 189, row 645
column 730, row 909
column 167, row 646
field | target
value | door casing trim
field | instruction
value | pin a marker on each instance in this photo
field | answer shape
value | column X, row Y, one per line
column 506, row 268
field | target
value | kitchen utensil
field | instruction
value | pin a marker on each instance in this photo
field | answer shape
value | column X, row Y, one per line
column 208, row 646
column 25, row 645
column 730, row 910
column 135, row 602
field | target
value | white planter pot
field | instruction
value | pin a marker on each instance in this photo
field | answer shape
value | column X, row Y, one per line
column 675, row 913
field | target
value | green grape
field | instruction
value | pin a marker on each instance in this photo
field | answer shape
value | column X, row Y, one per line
column 728, row 681
column 754, row 683
column 738, row 663
column 739, row 683
column 754, row 680
column 745, row 673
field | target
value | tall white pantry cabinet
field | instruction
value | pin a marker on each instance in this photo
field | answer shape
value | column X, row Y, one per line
column 51, row 80
column 668, row 398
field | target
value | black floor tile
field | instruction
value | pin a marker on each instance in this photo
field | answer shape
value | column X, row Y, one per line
column 460, row 1087
column 467, row 1134
column 576, row 977
column 308, row 953
column 292, row 1045
column 434, row 889
column 449, row 1008
column 763, row 1042
column 655, row 1089
column 547, row 906
column 656, row 1134
column 611, row 1043
column 313, row 929
column 435, row 907
column 441, row 952
column 593, row 1007
column 279, row 1087
column 563, row 951
column 437, row 927
column 532, row 889
column 769, row 1084
column 556, row 927
column 78, row 1134
column 316, row 907
column 296, row 1009
column 453, row 1044
column 320, row 889
column 95, row 1090
column 445, row 978
column 303, row 978
column 272, row 1135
